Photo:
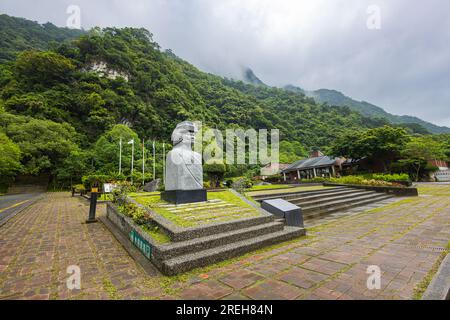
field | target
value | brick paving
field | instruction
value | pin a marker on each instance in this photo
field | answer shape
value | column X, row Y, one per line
column 404, row 240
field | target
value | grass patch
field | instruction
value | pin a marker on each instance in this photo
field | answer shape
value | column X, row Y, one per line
column 286, row 190
column 269, row 186
column 105, row 197
column 156, row 234
column 143, row 194
column 110, row 289
column 228, row 197
column 230, row 207
column 420, row 289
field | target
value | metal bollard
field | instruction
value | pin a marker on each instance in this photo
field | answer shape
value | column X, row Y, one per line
column 93, row 206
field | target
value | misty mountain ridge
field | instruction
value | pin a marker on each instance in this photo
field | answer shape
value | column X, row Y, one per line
column 249, row 77
column 337, row 98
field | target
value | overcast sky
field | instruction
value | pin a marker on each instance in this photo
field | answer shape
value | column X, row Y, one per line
column 404, row 66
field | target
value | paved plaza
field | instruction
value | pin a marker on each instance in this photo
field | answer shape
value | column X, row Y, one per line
column 405, row 239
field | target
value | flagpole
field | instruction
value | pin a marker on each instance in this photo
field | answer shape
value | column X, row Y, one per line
column 132, row 159
column 154, row 161
column 120, row 156
column 143, row 161
column 164, row 163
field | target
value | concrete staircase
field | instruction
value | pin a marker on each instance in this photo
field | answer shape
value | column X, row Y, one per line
column 182, row 256
column 317, row 203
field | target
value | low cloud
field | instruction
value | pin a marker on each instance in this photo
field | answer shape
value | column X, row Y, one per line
column 403, row 67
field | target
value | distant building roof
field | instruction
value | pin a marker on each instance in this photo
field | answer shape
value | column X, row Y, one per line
column 323, row 161
column 273, row 168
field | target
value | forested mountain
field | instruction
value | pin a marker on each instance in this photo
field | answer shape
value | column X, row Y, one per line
column 336, row 98
column 58, row 101
column 59, row 85
column 18, row 34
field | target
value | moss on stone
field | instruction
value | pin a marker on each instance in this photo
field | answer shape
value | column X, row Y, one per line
column 156, row 234
column 420, row 288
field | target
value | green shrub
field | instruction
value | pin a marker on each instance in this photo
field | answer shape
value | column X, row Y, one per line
column 229, row 183
column 140, row 216
column 363, row 180
column 315, row 180
column 79, row 188
column 274, row 178
column 241, row 184
column 90, row 180
column 389, row 177
column 133, row 211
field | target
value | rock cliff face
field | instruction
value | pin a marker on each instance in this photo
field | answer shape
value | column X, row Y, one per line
column 102, row 69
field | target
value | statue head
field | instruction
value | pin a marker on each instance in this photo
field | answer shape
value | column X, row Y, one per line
column 184, row 133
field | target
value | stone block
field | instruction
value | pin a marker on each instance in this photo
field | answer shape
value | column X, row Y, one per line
column 284, row 209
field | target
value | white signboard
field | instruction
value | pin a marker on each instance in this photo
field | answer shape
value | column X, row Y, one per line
column 108, row 187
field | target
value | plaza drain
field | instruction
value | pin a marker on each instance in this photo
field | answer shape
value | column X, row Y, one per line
column 438, row 249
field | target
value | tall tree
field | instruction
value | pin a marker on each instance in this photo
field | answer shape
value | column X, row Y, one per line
column 381, row 145
column 44, row 144
column 106, row 150
column 419, row 151
column 9, row 158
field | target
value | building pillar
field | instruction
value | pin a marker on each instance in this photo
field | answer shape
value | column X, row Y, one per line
column 314, row 172
column 333, row 170
column 298, row 174
column 284, row 176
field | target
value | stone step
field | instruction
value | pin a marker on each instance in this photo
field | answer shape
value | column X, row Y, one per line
column 338, row 202
column 219, row 227
column 220, row 239
column 217, row 214
column 283, row 195
column 313, row 212
column 206, row 257
column 306, row 202
column 343, row 193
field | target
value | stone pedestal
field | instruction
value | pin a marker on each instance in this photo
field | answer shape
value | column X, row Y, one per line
column 184, row 196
